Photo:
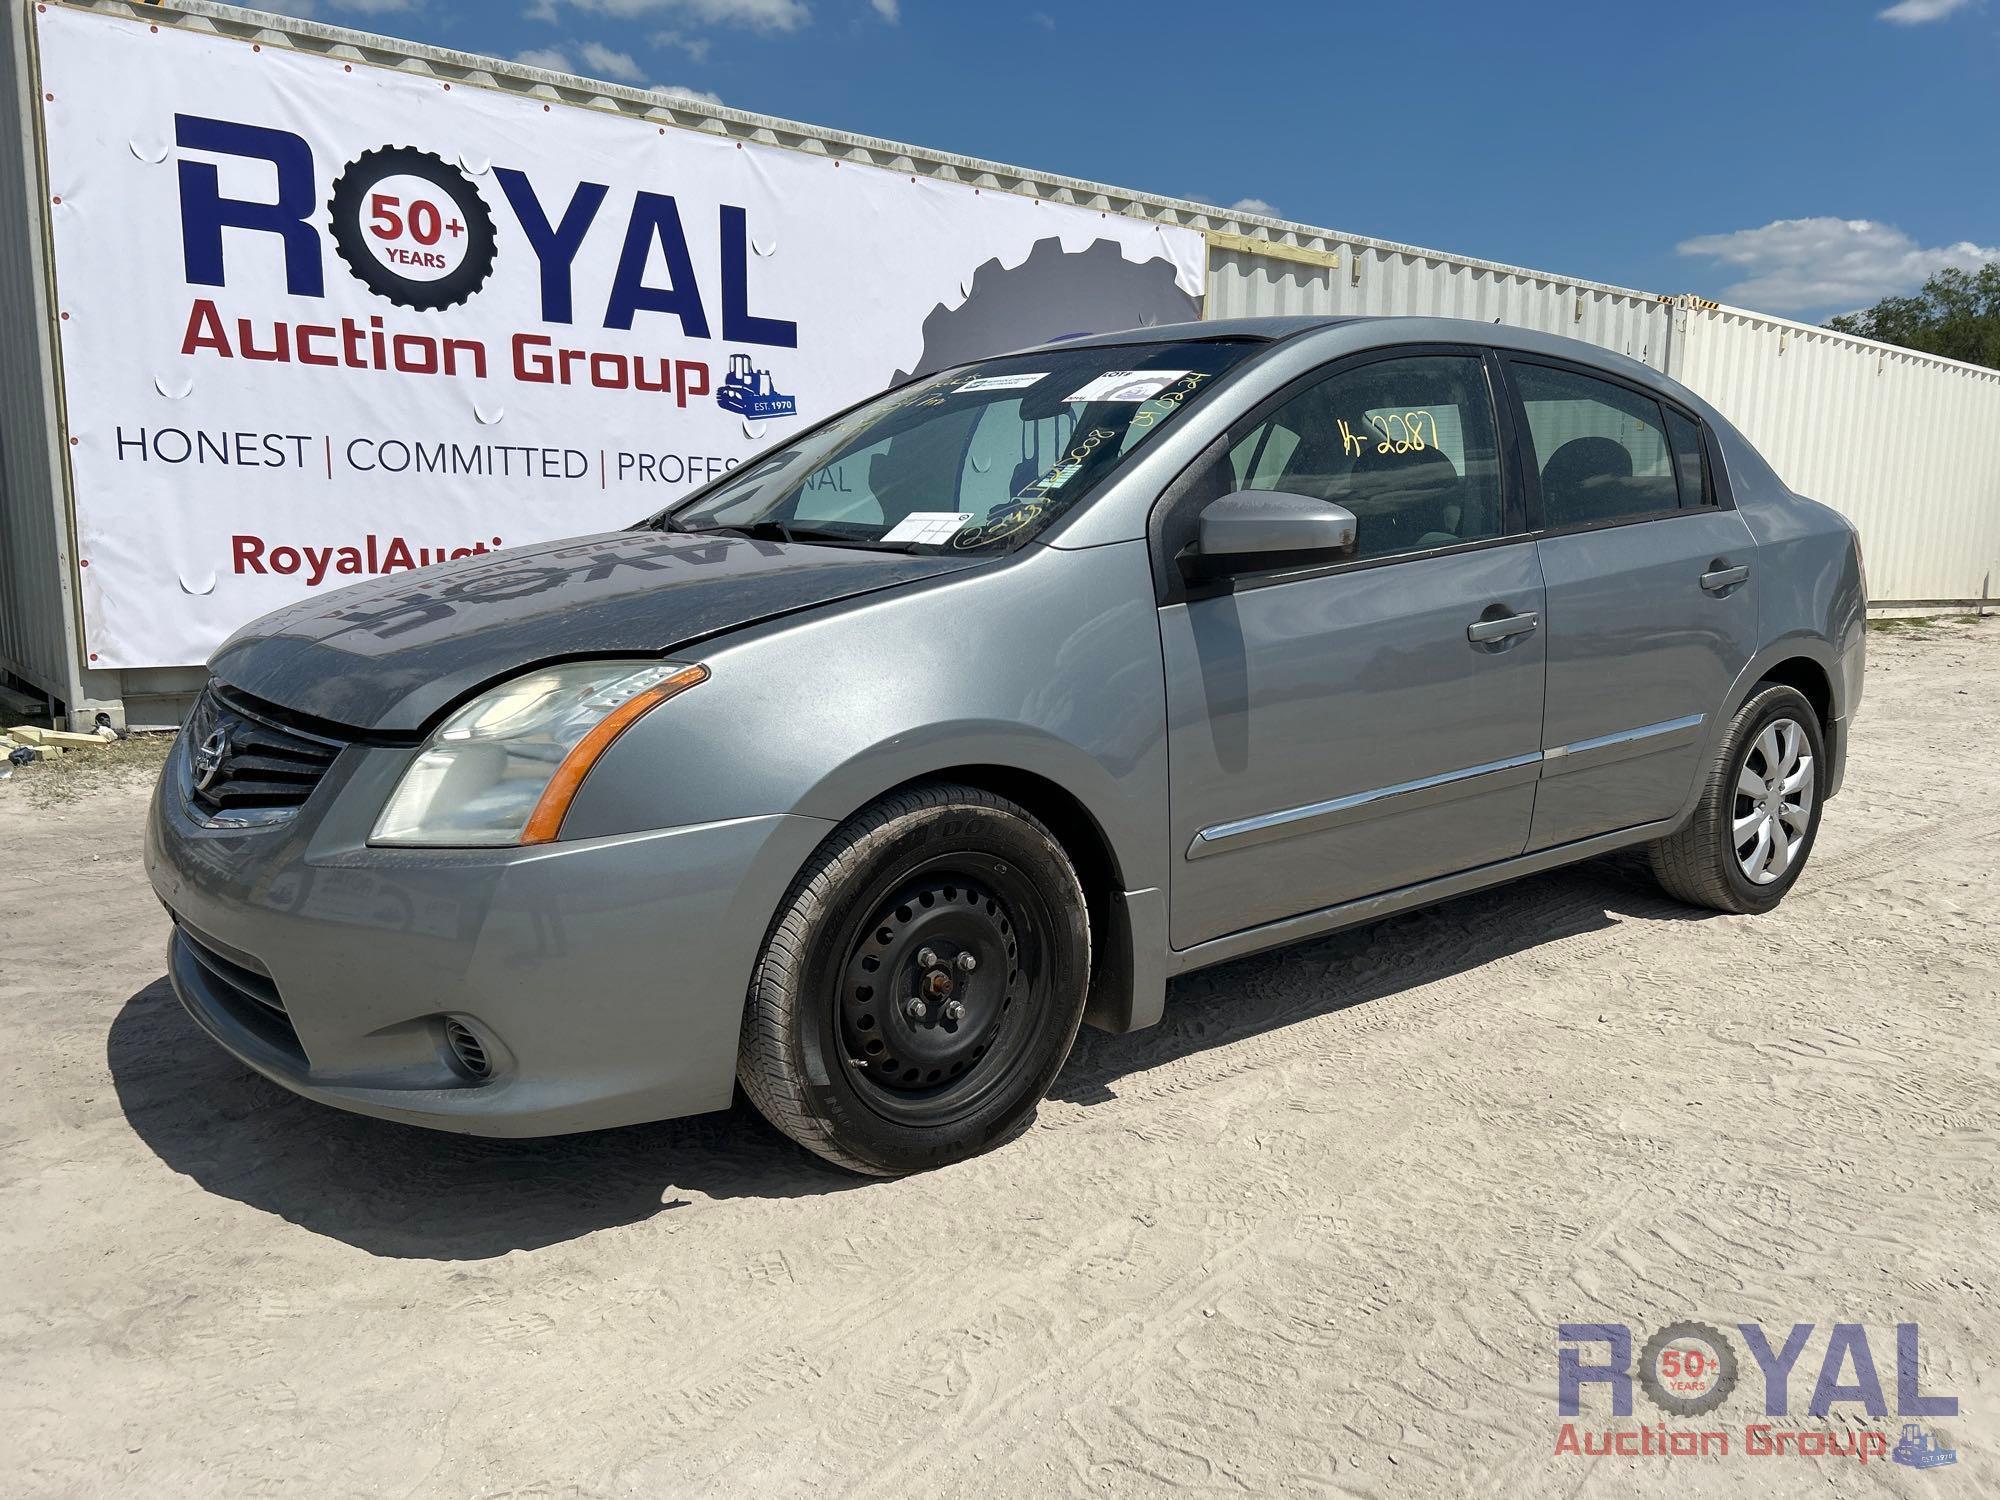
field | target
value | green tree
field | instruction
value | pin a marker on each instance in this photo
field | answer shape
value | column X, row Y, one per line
column 1957, row 314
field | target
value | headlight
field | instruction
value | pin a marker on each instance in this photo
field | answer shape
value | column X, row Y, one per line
column 502, row 770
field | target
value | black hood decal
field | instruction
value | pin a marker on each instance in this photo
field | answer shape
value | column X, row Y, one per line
column 388, row 655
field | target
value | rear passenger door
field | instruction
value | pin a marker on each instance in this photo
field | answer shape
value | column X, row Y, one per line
column 1652, row 595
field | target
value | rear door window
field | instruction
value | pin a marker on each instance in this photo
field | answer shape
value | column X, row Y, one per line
column 1601, row 449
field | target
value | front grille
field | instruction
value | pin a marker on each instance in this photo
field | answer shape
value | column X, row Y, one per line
column 248, row 995
column 243, row 760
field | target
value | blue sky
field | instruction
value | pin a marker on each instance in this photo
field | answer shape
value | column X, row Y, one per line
column 1803, row 158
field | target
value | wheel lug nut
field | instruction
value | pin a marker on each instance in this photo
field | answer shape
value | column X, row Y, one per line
column 926, row 958
column 953, row 1010
column 915, row 1008
column 967, row 962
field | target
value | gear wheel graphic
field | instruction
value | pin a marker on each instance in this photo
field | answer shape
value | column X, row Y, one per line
column 1687, row 1406
column 349, row 205
column 1052, row 293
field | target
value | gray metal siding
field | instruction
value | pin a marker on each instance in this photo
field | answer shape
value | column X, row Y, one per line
column 37, row 620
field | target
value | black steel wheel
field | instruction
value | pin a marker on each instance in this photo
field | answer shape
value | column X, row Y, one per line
column 921, row 985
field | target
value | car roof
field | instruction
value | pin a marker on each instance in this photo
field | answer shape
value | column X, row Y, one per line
column 1332, row 336
column 1264, row 330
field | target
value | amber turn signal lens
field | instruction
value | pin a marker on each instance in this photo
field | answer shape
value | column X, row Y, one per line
column 546, row 820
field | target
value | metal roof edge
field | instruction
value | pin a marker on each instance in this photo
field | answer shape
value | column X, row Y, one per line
column 575, row 89
column 1833, row 335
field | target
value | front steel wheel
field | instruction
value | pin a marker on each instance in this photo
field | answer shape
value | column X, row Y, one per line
column 1748, row 839
column 921, row 985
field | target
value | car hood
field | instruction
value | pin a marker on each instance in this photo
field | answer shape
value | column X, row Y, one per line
column 387, row 656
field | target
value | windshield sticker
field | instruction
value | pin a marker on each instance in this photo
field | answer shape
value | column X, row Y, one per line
column 1002, row 523
column 932, row 528
column 1168, row 402
column 1127, row 385
column 1002, row 382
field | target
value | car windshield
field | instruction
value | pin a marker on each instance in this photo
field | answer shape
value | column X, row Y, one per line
column 981, row 457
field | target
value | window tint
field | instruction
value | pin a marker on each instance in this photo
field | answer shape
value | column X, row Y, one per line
column 1601, row 448
column 1406, row 444
column 1685, row 435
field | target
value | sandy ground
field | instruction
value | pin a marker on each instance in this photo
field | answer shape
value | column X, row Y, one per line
column 1312, row 1235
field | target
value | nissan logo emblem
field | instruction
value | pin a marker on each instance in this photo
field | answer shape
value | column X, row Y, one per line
column 208, row 759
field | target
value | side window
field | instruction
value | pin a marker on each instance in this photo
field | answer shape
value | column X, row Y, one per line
column 1685, row 435
column 1408, row 445
column 1601, row 449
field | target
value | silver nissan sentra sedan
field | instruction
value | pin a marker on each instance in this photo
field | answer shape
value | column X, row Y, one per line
column 866, row 774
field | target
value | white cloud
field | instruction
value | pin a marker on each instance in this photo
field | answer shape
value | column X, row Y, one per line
column 694, row 46
column 682, row 91
column 542, row 10
column 889, row 10
column 608, row 62
column 553, row 58
column 1916, row 12
column 1808, row 265
column 757, row 15
column 1251, row 206
column 593, row 59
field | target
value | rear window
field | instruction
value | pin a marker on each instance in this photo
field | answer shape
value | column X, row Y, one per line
column 1601, row 449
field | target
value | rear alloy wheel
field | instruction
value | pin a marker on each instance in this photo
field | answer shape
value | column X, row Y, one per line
column 921, row 985
column 1759, row 810
column 1773, row 802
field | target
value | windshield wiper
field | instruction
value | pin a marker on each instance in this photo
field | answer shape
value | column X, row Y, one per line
column 791, row 531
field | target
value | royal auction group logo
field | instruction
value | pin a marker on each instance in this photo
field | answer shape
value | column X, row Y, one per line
column 412, row 228
column 1689, row 1369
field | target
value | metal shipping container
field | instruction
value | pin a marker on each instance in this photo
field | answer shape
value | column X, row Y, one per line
column 1908, row 445
column 38, row 639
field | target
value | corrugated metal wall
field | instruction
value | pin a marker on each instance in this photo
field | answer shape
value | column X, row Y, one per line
column 37, row 630
column 1905, row 445
column 1372, row 276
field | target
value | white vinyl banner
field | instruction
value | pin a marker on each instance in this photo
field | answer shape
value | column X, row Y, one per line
column 323, row 320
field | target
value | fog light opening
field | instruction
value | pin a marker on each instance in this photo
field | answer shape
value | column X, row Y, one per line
column 467, row 1051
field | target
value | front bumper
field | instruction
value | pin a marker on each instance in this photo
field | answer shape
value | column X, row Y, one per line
column 604, row 977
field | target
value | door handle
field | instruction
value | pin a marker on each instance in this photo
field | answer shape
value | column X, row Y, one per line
column 1486, row 632
column 1719, row 580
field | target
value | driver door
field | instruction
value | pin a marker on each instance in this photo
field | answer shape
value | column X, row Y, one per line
column 1337, row 731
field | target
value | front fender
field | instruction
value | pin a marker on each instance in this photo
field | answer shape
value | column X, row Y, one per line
column 1047, row 662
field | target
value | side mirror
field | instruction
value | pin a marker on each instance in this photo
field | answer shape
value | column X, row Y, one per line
column 1256, row 530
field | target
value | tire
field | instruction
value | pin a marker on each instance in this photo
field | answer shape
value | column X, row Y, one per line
column 1701, row 862
column 836, row 1051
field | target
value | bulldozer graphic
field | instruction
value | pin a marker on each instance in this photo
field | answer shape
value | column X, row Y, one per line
column 748, row 392
column 1920, row 1450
